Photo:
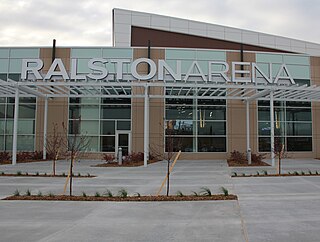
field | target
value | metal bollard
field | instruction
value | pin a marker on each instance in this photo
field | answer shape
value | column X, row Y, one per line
column 120, row 156
column 249, row 156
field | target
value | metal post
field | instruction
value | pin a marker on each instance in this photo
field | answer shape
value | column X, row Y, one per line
column 248, row 132
column 15, row 127
column 272, row 128
column 45, row 125
column 146, row 127
column 120, row 156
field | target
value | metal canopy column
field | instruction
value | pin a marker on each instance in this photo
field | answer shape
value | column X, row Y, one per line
column 248, row 131
column 45, row 125
column 15, row 127
column 272, row 128
column 146, row 126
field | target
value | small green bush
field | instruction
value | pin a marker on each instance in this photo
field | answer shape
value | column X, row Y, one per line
column 63, row 174
column 302, row 173
column 37, row 173
column 88, row 174
column 97, row 194
column 19, row 173
column 108, row 193
column 225, row 191
column 265, row 172
column 310, row 172
column 39, row 194
column 2, row 173
column 137, row 194
column 194, row 193
column 205, row 191
column 317, row 173
column 50, row 194
column 28, row 193
column 235, row 174
column 296, row 173
column 180, row 194
column 84, row 194
column 16, row 193
column 258, row 174
column 123, row 193
column 79, row 174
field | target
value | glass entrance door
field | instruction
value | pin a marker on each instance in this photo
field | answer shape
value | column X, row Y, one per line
column 123, row 141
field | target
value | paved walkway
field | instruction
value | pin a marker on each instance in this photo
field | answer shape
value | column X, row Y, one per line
column 269, row 209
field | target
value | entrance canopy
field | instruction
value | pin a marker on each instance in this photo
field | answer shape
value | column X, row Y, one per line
column 246, row 92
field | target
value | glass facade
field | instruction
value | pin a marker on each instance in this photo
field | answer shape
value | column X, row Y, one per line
column 195, row 125
column 99, row 119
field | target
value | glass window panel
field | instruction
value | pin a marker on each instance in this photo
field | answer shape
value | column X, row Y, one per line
column 15, row 77
column 179, row 127
column 9, row 127
column 269, row 58
column 4, row 64
column 298, row 60
column 107, row 127
column 24, row 53
column 179, row 112
column 298, row 114
column 2, row 142
column 299, row 72
column 211, row 55
column 27, row 100
column 89, row 112
column 298, row 104
column 15, row 65
column 299, row 143
column 89, row 127
column 74, row 126
column 264, row 144
column 86, row 53
column 299, row 129
column 26, row 126
column 211, row 113
column 25, row 143
column 107, row 143
column 82, row 66
column 264, row 114
column 27, row 111
column 211, row 128
column 123, row 125
column 2, row 126
column 2, row 110
column 123, row 140
column 279, row 128
column 93, row 144
column 185, row 144
column 4, row 52
column 116, row 100
column 116, row 112
column 209, row 144
column 264, row 128
column 8, row 142
column 180, row 54
column 117, row 53
column 74, row 112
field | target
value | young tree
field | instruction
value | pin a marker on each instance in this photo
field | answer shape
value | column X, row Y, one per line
column 279, row 152
column 167, row 151
column 54, row 146
column 76, row 144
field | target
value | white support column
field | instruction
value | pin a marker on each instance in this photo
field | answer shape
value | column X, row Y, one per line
column 248, row 131
column 146, row 126
column 15, row 127
column 45, row 125
column 272, row 128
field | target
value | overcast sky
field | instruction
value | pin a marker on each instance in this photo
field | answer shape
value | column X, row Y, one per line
column 88, row 22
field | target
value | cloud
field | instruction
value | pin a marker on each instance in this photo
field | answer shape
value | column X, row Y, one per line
column 88, row 22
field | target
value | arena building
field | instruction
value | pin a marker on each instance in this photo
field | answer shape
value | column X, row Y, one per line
column 166, row 83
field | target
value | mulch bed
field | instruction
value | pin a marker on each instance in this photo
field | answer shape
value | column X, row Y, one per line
column 49, row 175
column 127, row 199
column 237, row 163
column 273, row 175
column 9, row 162
column 125, row 164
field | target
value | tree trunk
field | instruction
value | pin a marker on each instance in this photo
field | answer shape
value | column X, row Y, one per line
column 54, row 167
column 168, row 175
column 71, row 171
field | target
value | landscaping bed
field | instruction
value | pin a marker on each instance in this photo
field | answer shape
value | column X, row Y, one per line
column 26, row 174
column 240, row 163
column 125, row 164
column 265, row 174
column 122, row 199
column 239, row 159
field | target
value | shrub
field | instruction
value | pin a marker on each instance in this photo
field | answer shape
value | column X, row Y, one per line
column 50, row 194
column 265, row 173
column 238, row 156
column 205, row 191
column 2, row 173
column 88, row 174
column 79, row 174
column 302, row 173
column 133, row 157
column 4, row 156
column 45, row 173
column 109, row 158
column 137, row 194
column 180, row 194
column 317, row 173
column 235, row 174
column 225, row 191
column 84, row 194
column 39, row 194
column 257, row 158
column 258, row 174
column 28, row 193
column 296, row 173
column 123, row 193
column 195, row 194
column 16, row 193
column 37, row 155
column 63, row 174
column 97, row 194
column 37, row 173
column 24, row 156
column 310, row 172
column 19, row 173
column 27, row 173
column 108, row 193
